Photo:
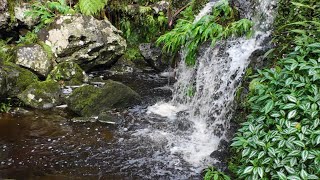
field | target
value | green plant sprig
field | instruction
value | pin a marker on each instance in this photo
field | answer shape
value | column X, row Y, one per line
column 218, row 26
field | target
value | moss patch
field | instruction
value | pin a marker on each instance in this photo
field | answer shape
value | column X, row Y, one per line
column 41, row 95
column 69, row 72
column 90, row 101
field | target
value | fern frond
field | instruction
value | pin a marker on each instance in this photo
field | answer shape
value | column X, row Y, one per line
column 91, row 7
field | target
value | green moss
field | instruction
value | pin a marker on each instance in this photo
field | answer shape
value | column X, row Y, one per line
column 19, row 78
column 68, row 71
column 6, row 51
column 42, row 95
column 47, row 49
column 11, row 4
column 82, row 98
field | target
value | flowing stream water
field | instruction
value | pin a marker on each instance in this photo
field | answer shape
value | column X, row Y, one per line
column 165, row 138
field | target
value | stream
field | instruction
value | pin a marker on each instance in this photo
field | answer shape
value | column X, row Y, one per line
column 177, row 131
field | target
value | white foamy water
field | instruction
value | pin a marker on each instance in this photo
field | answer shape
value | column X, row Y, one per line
column 205, row 116
column 206, row 10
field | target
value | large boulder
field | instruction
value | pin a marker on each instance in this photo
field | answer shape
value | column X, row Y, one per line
column 69, row 72
column 14, row 79
column 42, row 95
column 35, row 58
column 154, row 57
column 85, row 40
column 91, row 101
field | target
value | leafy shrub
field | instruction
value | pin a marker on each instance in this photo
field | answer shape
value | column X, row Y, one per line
column 213, row 174
column 281, row 138
column 91, row 7
column 46, row 11
column 218, row 26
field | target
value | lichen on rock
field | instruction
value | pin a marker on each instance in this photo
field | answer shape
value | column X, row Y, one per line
column 34, row 57
column 69, row 72
column 42, row 95
column 85, row 40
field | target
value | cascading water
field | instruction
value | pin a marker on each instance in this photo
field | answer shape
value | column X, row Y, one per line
column 169, row 140
column 205, row 116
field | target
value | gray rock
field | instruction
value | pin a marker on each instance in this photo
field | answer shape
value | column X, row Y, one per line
column 160, row 6
column 91, row 101
column 42, row 95
column 14, row 80
column 19, row 10
column 84, row 40
column 153, row 56
column 34, row 57
column 4, row 14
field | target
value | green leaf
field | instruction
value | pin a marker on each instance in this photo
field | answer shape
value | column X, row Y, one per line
column 303, row 174
column 294, row 178
column 304, row 155
column 248, row 170
column 299, row 143
column 294, row 153
column 292, row 98
column 281, row 175
column 268, row 106
column 292, row 114
column 289, row 106
column 260, row 172
column 312, row 176
column 289, row 169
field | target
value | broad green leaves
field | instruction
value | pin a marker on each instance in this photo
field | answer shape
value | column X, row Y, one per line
column 286, row 140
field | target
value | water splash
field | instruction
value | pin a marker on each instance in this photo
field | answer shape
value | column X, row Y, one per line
column 213, row 83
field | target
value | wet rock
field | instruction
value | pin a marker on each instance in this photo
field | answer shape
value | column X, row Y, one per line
column 69, row 72
column 14, row 79
column 244, row 7
column 84, row 40
column 41, row 95
column 90, row 100
column 34, row 57
column 222, row 153
column 153, row 56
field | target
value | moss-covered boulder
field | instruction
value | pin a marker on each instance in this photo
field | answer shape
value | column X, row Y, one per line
column 41, row 95
column 90, row 101
column 69, row 72
column 14, row 79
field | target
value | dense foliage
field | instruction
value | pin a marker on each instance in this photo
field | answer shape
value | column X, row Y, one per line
column 281, row 138
column 220, row 25
column 213, row 174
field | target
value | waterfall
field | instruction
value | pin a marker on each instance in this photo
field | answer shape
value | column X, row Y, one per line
column 205, row 115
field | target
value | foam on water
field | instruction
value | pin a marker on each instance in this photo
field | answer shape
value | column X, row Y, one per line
column 203, row 119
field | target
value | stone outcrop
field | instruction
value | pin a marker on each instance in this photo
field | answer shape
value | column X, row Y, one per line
column 153, row 56
column 35, row 58
column 42, row 95
column 91, row 101
column 69, row 72
column 84, row 40
column 14, row 80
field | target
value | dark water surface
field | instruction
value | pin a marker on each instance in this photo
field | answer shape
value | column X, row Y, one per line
column 38, row 144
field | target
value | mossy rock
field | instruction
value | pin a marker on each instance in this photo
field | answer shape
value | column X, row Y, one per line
column 14, row 79
column 90, row 101
column 69, row 72
column 41, row 95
